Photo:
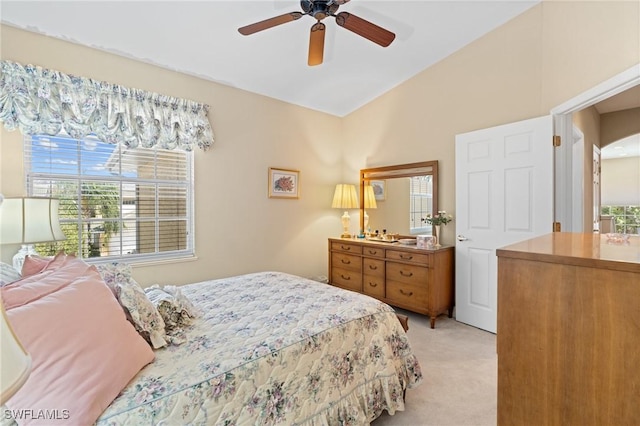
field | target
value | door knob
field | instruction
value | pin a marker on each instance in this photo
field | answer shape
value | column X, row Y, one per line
column 462, row 238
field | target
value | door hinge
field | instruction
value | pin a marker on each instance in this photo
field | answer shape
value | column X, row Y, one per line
column 557, row 140
column 556, row 226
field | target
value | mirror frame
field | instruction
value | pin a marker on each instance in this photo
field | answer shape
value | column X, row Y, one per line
column 424, row 168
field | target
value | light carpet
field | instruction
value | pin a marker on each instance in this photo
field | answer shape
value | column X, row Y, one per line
column 460, row 369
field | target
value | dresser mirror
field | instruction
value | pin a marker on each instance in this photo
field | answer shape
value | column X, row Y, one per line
column 404, row 195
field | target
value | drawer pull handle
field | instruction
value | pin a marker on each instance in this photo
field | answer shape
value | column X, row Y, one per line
column 345, row 261
column 345, row 278
column 345, row 248
column 373, row 267
column 410, row 293
column 406, row 257
column 373, row 284
column 405, row 274
column 372, row 252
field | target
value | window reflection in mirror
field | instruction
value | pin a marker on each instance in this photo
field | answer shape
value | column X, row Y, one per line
column 410, row 194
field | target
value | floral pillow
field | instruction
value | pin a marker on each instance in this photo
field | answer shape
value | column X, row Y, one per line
column 175, row 309
column 114, row 273
column 8, row 274
column 145, row 317
column 187, row 308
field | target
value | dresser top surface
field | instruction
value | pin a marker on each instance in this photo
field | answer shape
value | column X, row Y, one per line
column 388, row 245
column 579, row 249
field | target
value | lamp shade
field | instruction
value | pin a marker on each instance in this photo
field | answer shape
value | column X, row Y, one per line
column 369, row 198
column 15, row 362
column 29, row 220
column 345, row 197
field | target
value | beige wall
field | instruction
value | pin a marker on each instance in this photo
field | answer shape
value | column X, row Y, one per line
column 621, row 182
column 618, row 125
column 239, row 229
column 549, row 54
column 588, row 121
column 540, row 59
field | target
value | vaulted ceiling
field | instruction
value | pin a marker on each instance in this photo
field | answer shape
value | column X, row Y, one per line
column 202, row 39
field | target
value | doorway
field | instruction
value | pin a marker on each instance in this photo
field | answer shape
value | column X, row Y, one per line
column 564, row 161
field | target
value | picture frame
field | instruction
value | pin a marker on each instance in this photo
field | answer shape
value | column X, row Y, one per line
column 379, row 189
column 284, row 183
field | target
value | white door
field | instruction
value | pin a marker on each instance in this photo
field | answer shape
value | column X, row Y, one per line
column 504, row 194
column 596, row 188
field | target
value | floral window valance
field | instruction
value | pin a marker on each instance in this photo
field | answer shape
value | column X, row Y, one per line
column 42, row 101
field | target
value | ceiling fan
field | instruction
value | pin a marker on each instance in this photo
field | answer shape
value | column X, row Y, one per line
column 320, row 9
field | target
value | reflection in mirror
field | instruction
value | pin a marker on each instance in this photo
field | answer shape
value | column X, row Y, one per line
column 404, row 195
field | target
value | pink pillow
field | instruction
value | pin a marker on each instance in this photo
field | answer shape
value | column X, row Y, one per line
column 84, row 351
column 57, row 274
column 34, row 264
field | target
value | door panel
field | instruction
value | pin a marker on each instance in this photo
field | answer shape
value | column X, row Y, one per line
column 504, row 194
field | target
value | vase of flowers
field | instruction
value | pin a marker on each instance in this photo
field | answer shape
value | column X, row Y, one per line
column 441, row 218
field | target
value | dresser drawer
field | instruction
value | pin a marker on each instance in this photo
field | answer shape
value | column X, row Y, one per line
column 373, row 251
column 373, row 285
column 373, row 267
column 408, row 295
column 408, row 256
column 346, row 247
column 346, row 261
column 346, row 279
column 411, row 274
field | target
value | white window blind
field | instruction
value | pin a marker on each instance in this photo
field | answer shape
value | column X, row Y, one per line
column 115, row 201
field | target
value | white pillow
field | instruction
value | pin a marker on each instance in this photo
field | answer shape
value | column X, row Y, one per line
column 8, row 274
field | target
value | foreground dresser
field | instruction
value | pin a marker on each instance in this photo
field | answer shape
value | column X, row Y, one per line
column 568, row 335
column 414, row 279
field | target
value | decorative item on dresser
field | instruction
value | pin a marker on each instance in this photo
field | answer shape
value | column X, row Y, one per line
column 567, row 341
column 401, row 275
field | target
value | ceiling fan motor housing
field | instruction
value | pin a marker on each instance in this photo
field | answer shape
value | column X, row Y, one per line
column 319, row 9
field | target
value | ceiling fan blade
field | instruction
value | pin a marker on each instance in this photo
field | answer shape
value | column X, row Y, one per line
column 269, row 23
column 316, row 44
column 340, row 2
column 365, row 28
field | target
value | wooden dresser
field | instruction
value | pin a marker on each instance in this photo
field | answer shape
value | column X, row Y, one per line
column 404, row 276
column 568, row 337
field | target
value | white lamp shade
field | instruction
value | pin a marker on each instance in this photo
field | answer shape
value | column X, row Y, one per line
column 29, row 220
column 369, row 198
column 345, row 197
column 15, row 362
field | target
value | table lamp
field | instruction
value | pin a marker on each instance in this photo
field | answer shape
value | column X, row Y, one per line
column 369, row 203
column 345, row 197
column 15, row 362
column 26, row 221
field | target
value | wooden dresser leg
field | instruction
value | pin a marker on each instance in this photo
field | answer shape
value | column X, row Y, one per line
column 433, row 322
column 404, row 320
column 450, row 312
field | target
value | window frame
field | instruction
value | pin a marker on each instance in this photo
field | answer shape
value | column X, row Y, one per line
column 157, row 256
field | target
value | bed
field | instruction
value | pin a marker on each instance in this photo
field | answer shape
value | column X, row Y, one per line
column 272, row 348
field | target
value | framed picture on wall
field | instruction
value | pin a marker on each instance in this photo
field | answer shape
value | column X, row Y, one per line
column 379, row 189
column 284, row 183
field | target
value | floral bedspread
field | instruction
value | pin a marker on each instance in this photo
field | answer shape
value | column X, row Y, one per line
column 272, row 348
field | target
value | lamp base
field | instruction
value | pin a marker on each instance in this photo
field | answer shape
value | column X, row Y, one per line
column 346, row 223
column 18, row 259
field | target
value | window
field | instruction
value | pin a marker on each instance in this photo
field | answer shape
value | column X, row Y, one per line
column 115, row 201
column 626, row 218
column 420, row 195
